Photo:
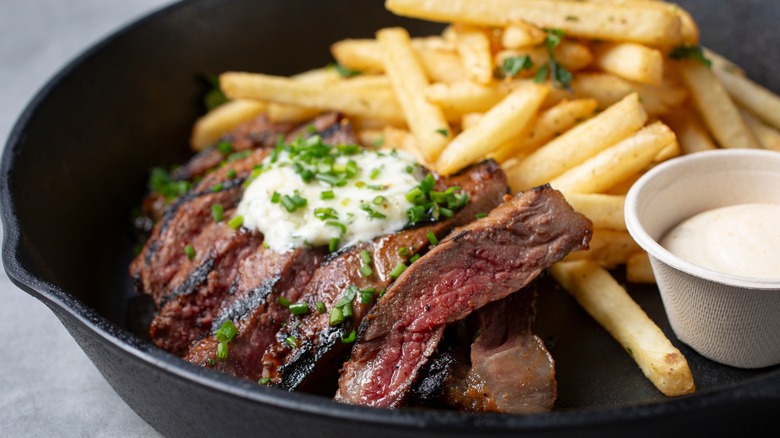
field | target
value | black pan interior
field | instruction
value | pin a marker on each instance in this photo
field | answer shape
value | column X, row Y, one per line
column 76, row 163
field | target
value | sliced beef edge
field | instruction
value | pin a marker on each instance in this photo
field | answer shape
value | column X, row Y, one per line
column 480, row 263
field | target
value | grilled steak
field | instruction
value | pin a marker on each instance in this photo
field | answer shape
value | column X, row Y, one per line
column 508, row 369
column 312, row 365
column 263, row 277
column 480, row 263
column 192, row 293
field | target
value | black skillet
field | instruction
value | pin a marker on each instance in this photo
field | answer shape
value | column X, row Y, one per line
column 75, row 165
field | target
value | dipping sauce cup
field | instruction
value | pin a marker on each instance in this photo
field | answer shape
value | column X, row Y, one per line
column 731, row 319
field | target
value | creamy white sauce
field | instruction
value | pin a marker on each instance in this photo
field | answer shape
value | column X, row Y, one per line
column 739, row 240
column 285, row 231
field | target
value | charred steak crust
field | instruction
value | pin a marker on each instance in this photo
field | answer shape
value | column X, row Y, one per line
column 477, row 264
column 313, row 365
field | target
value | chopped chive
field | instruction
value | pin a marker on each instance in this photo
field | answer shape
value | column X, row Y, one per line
column 379, row 200
column 189, row 251
column 276, row 197
column 217, row 187
column 366, row 296
column 382, row 292
column 346, row 310
column 266, row 245
column 398, row 270
column 328, row 194
column 336, row 316
column 375, row 173
column 325, row 213
column 217, row 212
column 288, row 203
column 226, row 332
column 235, row 156
column 403, row 251
column 338, row 225
column 365, row 256
column 264, row 381
column 291, row 341
column 350, row 338
column 371, row 212
column 225, row 147
column 231, row 173
column 299, row 308
column 409, row 169
column 443, row 132
column 432, row 238
column 282, row 301
column 320, row 307
column 481, row 215
column 222, row 351
column 331, row 179
column 236, row 222
column 414, row 258
column 366, row 271
column 374, row 187
column 334, row 244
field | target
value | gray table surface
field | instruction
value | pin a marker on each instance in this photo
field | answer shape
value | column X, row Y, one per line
column 48, row 386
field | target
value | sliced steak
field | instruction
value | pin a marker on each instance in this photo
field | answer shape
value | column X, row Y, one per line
column 156, row 270
column 263, row 277
column 509, row 369
column 313, row 364
column 480, row 263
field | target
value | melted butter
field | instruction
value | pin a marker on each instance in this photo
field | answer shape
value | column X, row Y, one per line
column 739, row 240
column 382, row 181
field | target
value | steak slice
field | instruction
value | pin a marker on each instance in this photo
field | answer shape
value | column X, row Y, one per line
column 480, row 263
column 313, row 364
column 263, row 277
column 509, row 369
column 156, row 270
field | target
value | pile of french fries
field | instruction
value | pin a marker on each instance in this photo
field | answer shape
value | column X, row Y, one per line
column 583, row 95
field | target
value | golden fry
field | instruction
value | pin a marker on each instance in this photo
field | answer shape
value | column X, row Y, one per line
column 630, row 61
column 210, row 127
column 409, row 80
column 605, row 211
column 639, row 270
column 609, row 304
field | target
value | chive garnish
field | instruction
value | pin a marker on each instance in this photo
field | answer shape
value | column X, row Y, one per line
column 328, row 194
column 282, row 301
column 291, row 341
column 334, row 244
column 398, row 270
column 350, row 338
column 299, row 308
column 320, row 307
column 403, row 251
column 264, row 381
column 336, row 316
column 338, row 225
column 432, row 238
column 236, row 222
column 217, row 212
column 189, row 251
column 481, row 215
column 276, row 197
column 414, row 258
column 217, row 187
column 365, row 256
column 366, row 271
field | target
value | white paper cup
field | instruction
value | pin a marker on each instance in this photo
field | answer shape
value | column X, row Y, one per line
column 730, row 319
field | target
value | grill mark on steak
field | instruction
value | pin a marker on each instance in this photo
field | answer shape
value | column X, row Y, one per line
column 481, row 263
column 263, row 278
column 508, row 369
column 156, row 270
column 313, row 365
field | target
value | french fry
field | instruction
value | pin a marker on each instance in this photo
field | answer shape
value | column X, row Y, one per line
column 470, row 120
column 371, row 137
column 441, row 62
column 611, row 306
column 750, row 95
column 210, row 127
column 409, row 80
column 552, row 122
column 715, row 106
column 690, row 130
column 605, row 211
column 767, row 136
column 608, row 248
column 722, row 63
column 617, row 162
column 638, row 269
column 509, row 118
column 689, row 31
column 622, row 188
column 635, row 21
column 608, row 89
column 520, row 35
column 630, row 61
column 465, row 96
column 279, row 112
column 572, row 55
column 473, row 45
column 578, row 144
column 668, row 152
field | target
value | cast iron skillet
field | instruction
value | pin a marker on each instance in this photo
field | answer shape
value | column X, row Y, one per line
column 76, row 162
